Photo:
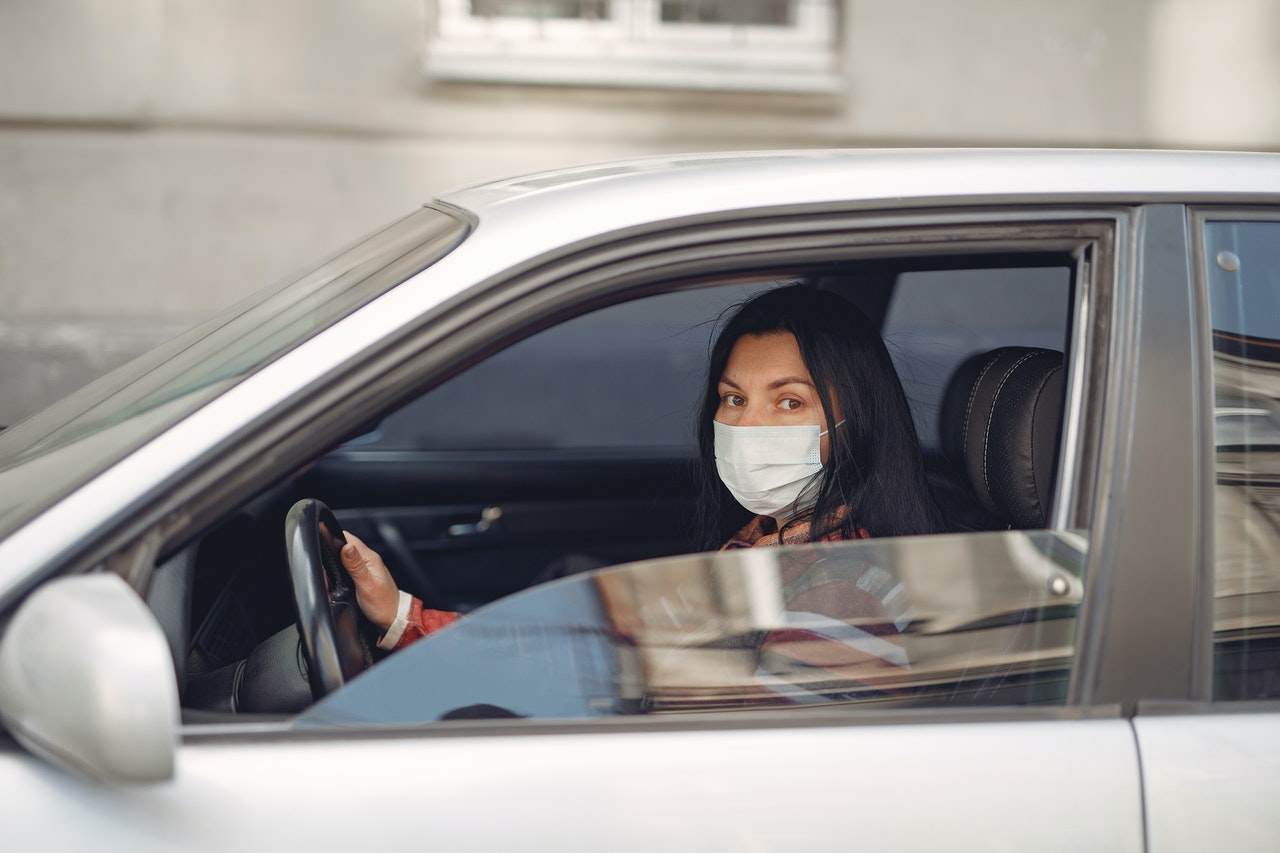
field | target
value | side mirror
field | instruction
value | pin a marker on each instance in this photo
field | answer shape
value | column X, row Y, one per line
column 87, row 681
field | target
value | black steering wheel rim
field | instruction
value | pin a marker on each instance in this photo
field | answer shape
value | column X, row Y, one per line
column 329, row 621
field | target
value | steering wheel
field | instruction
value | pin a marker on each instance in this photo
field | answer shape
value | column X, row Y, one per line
column 335, row 639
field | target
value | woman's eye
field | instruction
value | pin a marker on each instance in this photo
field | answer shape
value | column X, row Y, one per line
column 733, row 401
column 791, row 405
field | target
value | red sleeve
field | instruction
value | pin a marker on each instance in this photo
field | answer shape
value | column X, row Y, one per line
column 423, row 621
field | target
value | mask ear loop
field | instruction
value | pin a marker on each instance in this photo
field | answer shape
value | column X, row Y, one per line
column 825, row 431
column 817, row 476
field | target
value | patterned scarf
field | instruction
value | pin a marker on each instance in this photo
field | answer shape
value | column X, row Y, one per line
column 762, row 532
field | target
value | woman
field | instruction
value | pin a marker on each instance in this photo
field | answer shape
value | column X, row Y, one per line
column 804, row 423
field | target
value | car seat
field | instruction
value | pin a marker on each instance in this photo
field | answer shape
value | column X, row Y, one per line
column 1001, row 422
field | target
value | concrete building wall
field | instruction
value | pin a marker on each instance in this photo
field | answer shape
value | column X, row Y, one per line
column 160, row 159
column 1000, row 72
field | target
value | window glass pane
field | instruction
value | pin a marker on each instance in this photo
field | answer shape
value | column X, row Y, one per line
column 587, row 9
column 1243, row 277
column 767, row 12
column 933, row 621
column 81, row 435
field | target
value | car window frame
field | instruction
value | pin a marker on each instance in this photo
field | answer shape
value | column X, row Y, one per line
column 617, row 270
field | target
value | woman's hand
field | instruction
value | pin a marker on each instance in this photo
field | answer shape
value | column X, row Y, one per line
column 376, row 593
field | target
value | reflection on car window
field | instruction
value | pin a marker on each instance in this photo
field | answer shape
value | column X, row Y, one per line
column 1243, row 276
column 246, row 336
column 132, row 404
column 976, row 619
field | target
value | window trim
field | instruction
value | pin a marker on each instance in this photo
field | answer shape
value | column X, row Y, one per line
column 195, row 733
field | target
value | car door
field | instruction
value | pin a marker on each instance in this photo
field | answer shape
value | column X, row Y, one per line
column 1211, row 765
column 778, row 777
column 1005, row 773
column 806, row 761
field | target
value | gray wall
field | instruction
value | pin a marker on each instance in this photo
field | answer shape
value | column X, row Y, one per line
column 160, row 159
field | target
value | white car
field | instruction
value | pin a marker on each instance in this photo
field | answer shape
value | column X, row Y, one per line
column 497, row 391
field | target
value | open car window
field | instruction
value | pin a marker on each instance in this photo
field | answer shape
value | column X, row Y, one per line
column 977, row 619
column 655, row 349
column 567, row 447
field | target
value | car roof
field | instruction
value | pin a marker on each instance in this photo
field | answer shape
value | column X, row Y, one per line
column 634, row 192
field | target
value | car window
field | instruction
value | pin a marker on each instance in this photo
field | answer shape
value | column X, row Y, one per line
column 988, row 621
column 656, row 348
column 585, row 383
column 1242, row 261
column 941, row 621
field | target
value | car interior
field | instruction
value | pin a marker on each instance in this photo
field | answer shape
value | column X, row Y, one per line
column 572, row 448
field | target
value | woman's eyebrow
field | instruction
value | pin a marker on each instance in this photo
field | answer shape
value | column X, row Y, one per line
column 789, row 380
column 777, row 383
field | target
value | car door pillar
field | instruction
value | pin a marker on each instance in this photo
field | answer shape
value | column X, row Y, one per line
column 1138, row 614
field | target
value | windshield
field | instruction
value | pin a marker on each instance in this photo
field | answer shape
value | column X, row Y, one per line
column 66, row 444
column 970, row 619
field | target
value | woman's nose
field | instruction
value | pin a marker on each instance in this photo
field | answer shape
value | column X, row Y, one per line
column 751, row 416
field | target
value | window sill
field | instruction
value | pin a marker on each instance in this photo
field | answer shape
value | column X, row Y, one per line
column 706, row 73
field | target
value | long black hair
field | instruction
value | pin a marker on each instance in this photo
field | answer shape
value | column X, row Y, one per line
column 874, row 478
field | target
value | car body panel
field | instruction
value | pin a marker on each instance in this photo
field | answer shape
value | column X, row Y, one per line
column 828, row 787
column 1210, row 779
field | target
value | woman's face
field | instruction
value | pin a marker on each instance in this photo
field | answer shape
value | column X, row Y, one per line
column 766, row 383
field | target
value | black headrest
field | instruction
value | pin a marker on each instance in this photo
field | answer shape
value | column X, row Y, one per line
column 1000, row 423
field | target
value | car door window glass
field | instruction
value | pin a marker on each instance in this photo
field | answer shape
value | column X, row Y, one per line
column 1242, row 262
column 942, row 621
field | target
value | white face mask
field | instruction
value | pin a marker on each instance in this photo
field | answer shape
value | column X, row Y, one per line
column 770, row 469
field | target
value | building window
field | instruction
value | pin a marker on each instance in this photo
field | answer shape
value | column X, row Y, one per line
column 716, row 45
column 587, row 9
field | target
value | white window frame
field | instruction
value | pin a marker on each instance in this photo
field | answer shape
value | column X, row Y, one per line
column 635, row 49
